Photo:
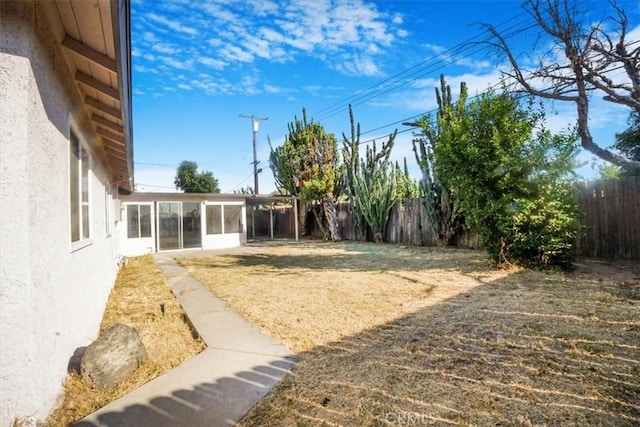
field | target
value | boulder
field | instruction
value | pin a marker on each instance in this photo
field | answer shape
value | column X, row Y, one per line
column 113, row 356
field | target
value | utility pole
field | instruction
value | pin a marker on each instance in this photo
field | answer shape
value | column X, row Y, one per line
column 254, row 121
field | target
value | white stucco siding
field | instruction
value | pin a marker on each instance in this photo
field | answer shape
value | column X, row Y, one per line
column 52, row 297
column 226, row 240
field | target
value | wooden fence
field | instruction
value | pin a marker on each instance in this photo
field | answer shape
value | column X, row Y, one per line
column 610, row 220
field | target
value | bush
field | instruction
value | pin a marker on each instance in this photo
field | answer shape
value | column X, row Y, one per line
column 542, row 231
column 513, row 178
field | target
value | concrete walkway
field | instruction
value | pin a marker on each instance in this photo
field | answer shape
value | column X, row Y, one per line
column 215, row 388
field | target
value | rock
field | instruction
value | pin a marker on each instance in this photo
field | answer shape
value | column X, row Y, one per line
column 74, row 361
column 113, row 356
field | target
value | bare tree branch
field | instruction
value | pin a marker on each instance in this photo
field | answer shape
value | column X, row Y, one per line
column 585, row 58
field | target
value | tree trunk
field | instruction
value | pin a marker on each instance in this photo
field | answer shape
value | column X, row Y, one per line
column 318, row 218
column 302, row 218
column 331, row 213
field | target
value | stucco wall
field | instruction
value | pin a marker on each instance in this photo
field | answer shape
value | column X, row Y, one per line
column 52, row 298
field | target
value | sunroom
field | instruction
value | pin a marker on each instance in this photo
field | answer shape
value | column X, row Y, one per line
column 158, row 222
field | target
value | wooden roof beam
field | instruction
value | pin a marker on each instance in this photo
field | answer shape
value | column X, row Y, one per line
column 107, row 123
column 90, row 54
column 97, row 85
column 100, row 106
column 114, row 149
column 114, row 146
column 121, row 158
column 111, row 135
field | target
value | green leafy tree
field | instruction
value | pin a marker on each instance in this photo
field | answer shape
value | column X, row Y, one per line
column 307, row 165
column 190, row 180
column 442, row 206
column 609, row 171
column 406, row 188
column 513, row 178
column 628, row 142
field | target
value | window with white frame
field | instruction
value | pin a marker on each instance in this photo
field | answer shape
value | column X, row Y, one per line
column 79, row 180
column 138, row 221
column 214, row 219
column 108, row 209
column 224, row 219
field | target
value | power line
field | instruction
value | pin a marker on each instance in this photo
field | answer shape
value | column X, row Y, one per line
column 215, row 162
column 242, row 182
column 413, row 73
column 138, row 184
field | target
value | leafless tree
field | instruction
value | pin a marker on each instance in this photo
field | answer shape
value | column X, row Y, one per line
column 584, row 60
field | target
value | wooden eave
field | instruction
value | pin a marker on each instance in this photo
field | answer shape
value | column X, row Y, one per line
column 95, row 37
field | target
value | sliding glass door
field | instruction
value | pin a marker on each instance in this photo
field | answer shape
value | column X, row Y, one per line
column 179, row 226
column 169, row 226
column 191, row 232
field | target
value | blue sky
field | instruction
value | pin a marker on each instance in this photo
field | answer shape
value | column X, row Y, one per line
column 198, row 65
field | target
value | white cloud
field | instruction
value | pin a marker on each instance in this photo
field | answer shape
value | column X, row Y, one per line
column 358, row 66
column 350, row 36
column 149, row 36
column 165, row 48
column 212, row 62
column 272, row 89
column 182, row 65
column 344, row 27
column 221, row 14
column 143, row 69
column 263, row 7
column 420, row 97
column 235, row 53
column 174, row 25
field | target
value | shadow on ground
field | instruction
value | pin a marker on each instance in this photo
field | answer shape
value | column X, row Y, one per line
column 509, row 352
column 557, row 350
column 210, row 404
column 344, row 256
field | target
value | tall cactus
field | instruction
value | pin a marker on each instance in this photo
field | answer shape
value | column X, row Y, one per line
column 370, row 181
column 441, row 205
column 351, row 156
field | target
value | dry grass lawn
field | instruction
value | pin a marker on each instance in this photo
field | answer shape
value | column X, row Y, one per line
column 135, row 301
column 388, row 335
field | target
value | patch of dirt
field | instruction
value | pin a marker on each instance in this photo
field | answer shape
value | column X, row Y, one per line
column 391, row 335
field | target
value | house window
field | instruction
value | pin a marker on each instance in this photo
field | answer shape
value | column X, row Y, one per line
column 108, row 209
column 224, row 219
column 79, row 165
column 138, row 221
column 214, row 219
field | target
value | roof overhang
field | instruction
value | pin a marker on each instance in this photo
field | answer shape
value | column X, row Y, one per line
column 204, row 197
column 96, row 39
